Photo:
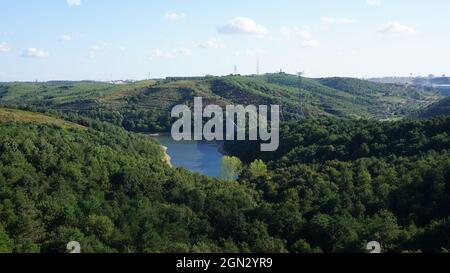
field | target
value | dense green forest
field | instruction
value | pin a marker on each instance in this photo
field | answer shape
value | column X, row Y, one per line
column 112, row 192
column 79, row 170
column 334, row 185
column 336, row 182
column 440, row 108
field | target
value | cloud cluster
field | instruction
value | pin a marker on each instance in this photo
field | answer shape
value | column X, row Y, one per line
column 301, row 34
column 66, row 38
column 34, row 53
column 4, row 47
column 295, row 32
column 73, row 2
column 213, row 43
column 242, row 25
column 93, row 51
column 161, row 54
column 337, row 21
column 395, row 27
column 173, row 16
column 374, row 2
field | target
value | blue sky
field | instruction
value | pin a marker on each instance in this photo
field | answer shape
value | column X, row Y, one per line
column 130, row 39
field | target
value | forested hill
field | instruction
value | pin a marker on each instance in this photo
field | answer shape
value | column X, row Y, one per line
column 145, row 106
column 440, row 108
column 334, row 185
column 111, row 191
column 11, row 115
column 334, row 182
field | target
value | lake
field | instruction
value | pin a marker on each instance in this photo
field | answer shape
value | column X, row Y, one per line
column 197, row 156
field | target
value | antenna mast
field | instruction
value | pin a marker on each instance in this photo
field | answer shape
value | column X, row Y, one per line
column 257, row 66
column 300, row 102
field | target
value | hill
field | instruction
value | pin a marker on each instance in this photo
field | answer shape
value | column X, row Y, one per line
column 111, row 191
column 145, row 106
column 440, row 108
column 14, row 115
column 335, row 183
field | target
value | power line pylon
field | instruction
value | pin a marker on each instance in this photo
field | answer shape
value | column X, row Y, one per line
column 300, row 102
column 257, row 66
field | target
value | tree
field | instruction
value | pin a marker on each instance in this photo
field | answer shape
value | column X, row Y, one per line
column 5, row 241
column 100, row 226
column 230, row 168
column 258, row 168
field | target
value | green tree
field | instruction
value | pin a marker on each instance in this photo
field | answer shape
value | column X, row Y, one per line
column 5, row 241
column 258, row 168
column 100, row 226
column 230, row 168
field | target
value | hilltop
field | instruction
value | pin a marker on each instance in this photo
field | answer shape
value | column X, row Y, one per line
column 14, row 115
column 145, row 106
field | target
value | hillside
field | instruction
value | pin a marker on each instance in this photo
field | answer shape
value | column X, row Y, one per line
column 440, row 108
column 336, row 182
column 112, row 192
column 334, row 185
column 14, row 115
column 145, row 106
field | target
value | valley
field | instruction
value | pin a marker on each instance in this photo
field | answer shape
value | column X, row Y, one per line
column 359, row 164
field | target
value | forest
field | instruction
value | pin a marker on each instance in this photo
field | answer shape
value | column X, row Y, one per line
column 336, row 182
column 111, row 190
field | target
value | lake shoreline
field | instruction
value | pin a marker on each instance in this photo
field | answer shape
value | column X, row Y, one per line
column 167, row 159
column 158, row 134
column 196, row 156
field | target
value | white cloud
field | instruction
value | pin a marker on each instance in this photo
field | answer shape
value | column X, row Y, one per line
column 310, row 43
column 159, row 54
column 73, row 2
column 337, row 21
column 395, row 27
column 301, row 34
column 256, row 52
column 34, row 53
column 122, row 48
column 93, row 51
column 213, row 43
column 95, row 48
column 66, row 38
column 182, row 51
column 295, row 32
column 173, row 16
column 4, row 47
column 374, row 2
column 242, row 25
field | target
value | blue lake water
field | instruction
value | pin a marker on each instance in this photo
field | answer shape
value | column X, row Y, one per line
column 197, row 156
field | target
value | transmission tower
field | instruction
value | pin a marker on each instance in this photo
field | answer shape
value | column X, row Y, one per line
column 300, row 102
column 235, row 70
column 257, row 66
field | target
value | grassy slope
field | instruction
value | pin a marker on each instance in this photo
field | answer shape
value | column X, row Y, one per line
column 12, row 115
